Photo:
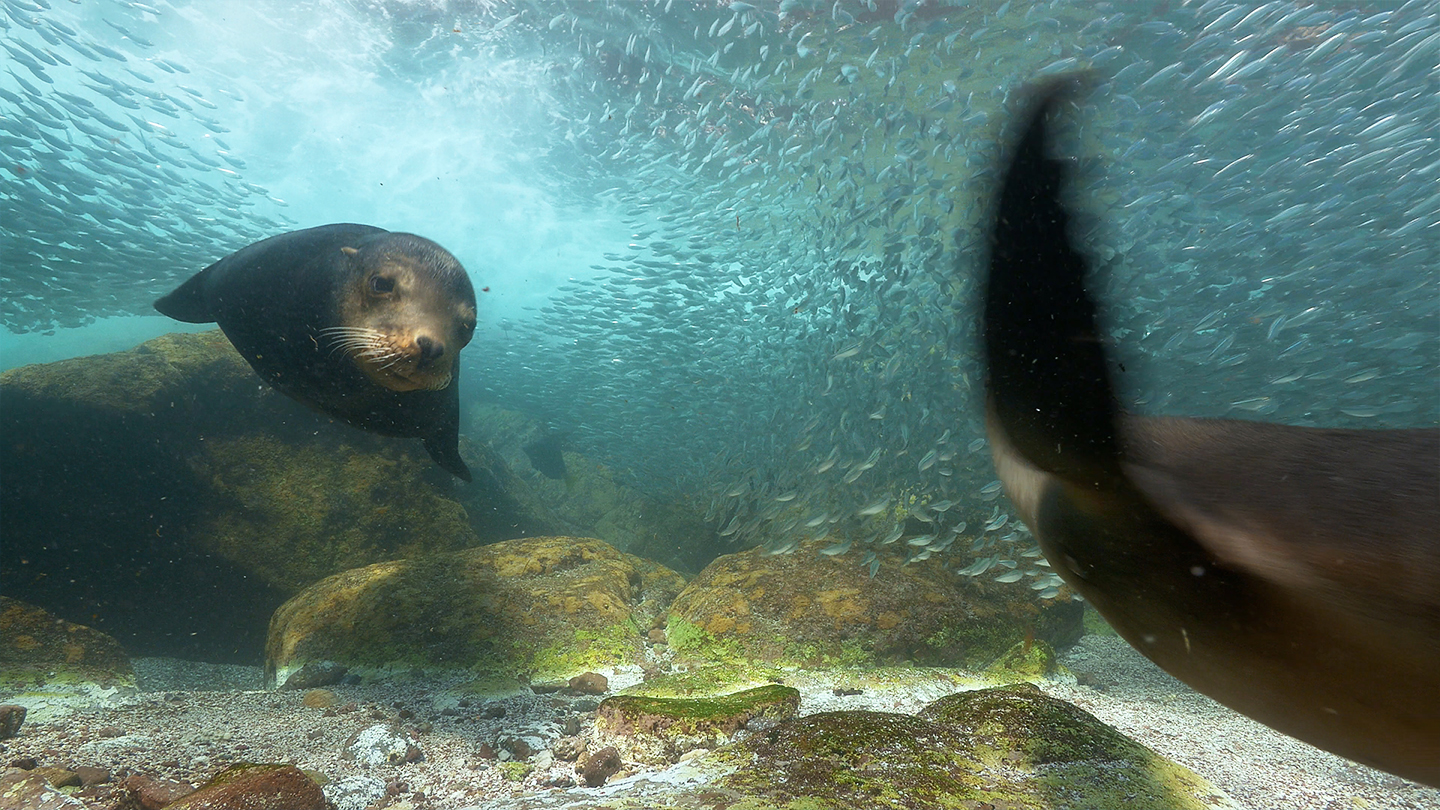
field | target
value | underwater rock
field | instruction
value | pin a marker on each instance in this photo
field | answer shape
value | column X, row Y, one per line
column 48, row 664
column 587, row 499
column 381, row 744
column 533, row 609
column 656, row 731
column 31, row 791
column 814, row 610
column 355, row 793
column 169, row 467
column 255, row 787
column 314, row 674
column 1010, row 746
column 11, row 718
column 588, row 683
column 594, row 769
column 1029, row 660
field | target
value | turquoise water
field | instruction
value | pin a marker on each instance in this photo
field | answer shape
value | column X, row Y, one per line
column 730, row 249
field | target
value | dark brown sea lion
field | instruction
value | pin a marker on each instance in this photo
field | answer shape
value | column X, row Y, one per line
column 1290, row 573
column 354, row 321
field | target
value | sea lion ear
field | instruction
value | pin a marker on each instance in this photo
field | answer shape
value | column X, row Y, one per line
column 349, row 251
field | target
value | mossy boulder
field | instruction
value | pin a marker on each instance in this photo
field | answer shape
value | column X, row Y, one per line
column 1005, row 747
column 1009, row 746
column 255, row 787
column 589, row 501
column 173, row 469
column 808, row 609
column 656, row 731
column 48, row 665
column 542, row 608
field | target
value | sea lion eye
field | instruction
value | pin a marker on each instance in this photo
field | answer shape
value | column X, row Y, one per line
column 382, row 284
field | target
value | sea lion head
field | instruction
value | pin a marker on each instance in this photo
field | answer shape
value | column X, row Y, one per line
column 406, row 308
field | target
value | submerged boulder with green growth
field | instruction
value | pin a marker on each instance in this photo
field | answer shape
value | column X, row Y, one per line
column 812, row 610
column 534, row 609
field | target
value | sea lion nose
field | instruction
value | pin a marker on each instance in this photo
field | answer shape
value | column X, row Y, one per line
column 430, row 348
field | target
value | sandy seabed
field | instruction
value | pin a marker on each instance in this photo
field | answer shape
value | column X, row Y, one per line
column 177, row 731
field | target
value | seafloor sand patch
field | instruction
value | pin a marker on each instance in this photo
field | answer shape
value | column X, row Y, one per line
column 190, row 734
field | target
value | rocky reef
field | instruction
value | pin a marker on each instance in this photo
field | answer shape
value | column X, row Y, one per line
column 167, row 496
column 532, row 609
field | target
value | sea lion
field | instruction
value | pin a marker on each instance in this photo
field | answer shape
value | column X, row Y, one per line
column 1291, row 573
column 354, row 321
column 545, row 456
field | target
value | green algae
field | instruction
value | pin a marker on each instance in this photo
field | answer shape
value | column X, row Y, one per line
column 586, row 650
column 1027, row 661
column 514, row 771
column 705, row 681
column 749, row 703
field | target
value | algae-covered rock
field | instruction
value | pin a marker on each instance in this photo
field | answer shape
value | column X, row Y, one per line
column 660, row 730
column 255, row 787
column 810, row 609
column 48, row 665
column 1028, row 660
column 29, row 790
column 1007, row 747
column 171, row 468
column 537, row 608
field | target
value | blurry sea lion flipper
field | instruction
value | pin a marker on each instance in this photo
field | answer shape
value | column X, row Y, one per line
column 1048, row 383
column 1290, row 573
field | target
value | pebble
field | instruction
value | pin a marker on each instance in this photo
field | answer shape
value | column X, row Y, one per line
column 595, row 768
column 11, row 717
column 589, row 683
column 381, row 744
column 319, row 699
column 355, row 792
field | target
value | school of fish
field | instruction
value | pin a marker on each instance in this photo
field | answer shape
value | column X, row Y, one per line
column 784, row 340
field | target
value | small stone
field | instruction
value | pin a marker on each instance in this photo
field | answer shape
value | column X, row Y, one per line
column 589, row 683
column 90, row 775
column 587, row 705
column 595, row 768
column 517, row 747
column 109, row 732
column 150, row 793
column 11, row 717
column 493, row 711
column 319, row 699
column 568, row 748
column 381, row 745
column 656, row 636
column 24, row 763
column 58, row 777
column 558, row 780
column 573, row 725
column 485, row 751
column 845, row 691
column 542, row 760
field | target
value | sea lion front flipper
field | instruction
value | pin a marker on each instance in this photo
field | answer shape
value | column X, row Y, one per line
column 446, row 453
column 443, row 444
column 1049, row 386
column 187, row 303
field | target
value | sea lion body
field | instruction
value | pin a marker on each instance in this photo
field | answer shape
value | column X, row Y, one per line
column 1290, row 573
column 354, row 321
